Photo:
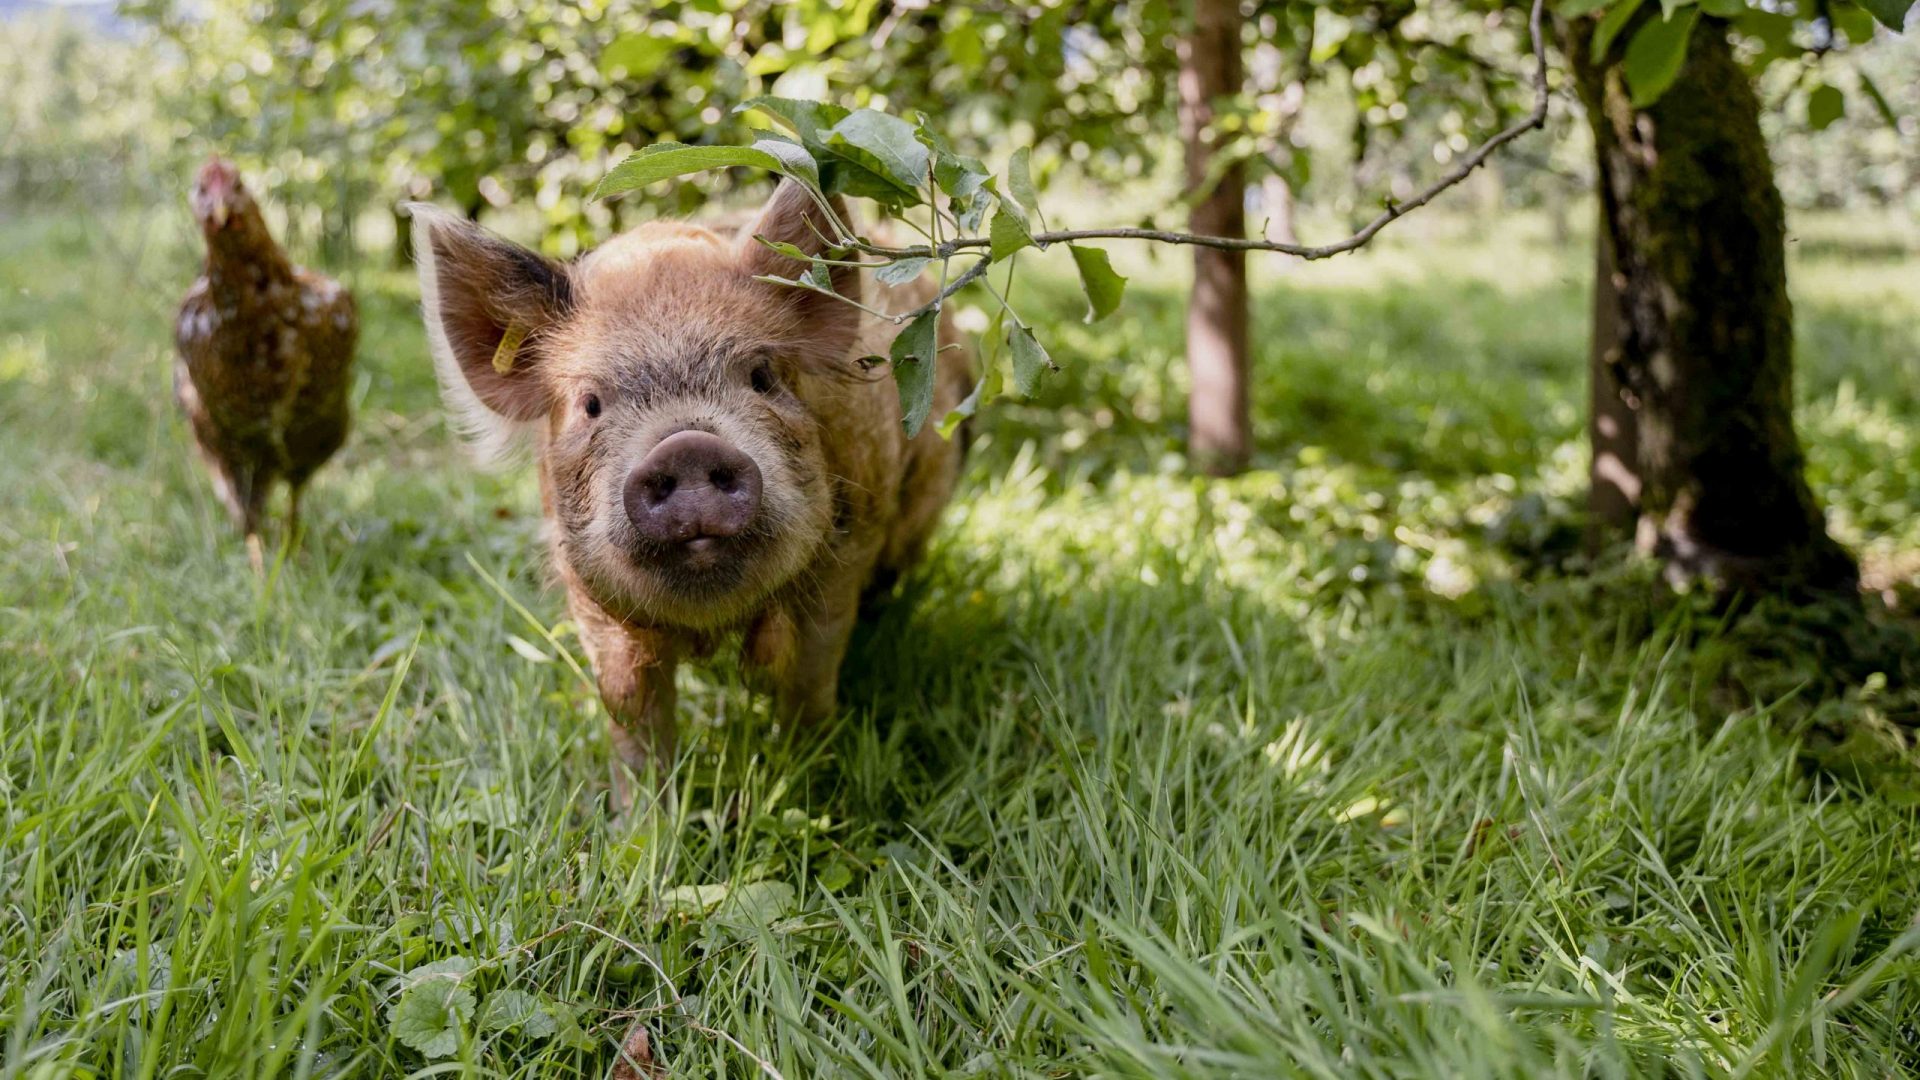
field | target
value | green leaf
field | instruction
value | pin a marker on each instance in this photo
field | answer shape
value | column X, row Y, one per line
column 1655, row 56
column 838, row 875
column 948, row 424
column 692, row 900
column 989, row 385
column 914, row 353
column 961, row 39
column 1723, row 9
column 1020, row 182
column 1029, row 359
column 543, row 1023
column 1610, row 27
column 663, row 161
column 883, row 145
column 1668, row 7
column 1103, row 286
column 791, row 251
column 1892, row 13
column 1825, row 105
column 957, row 174
column 566, row 1026
column 638, row 55
column 759, row 901
column 1854, row 21
column 808, row 119
column 451, row 968
column 839, row 176
column 1880, row 103
column 1573, row 9
column 506, row 1010
column 900, row 272
column 1773, row 30
column 794, row 159
column 1008, row 233
column 431, row 1014
column 969, row 212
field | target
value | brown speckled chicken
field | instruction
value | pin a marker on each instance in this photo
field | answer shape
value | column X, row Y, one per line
column 266, row 352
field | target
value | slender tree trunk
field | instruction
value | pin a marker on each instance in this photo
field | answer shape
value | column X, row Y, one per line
column 1278, row 204
column 1705, row 331
column 1220, row 438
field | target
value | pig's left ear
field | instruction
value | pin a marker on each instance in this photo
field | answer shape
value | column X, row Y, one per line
column 825, row 327
column 489, row 306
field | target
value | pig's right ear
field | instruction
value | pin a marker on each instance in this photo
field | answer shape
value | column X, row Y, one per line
column 489, row 306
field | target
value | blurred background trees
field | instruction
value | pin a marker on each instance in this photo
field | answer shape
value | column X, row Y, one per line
column 360, row 103
column 1301, row 118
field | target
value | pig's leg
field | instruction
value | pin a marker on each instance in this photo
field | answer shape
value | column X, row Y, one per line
column 635, row 672
column 810, row 682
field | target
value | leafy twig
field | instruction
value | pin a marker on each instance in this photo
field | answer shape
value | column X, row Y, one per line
column 1535, row 118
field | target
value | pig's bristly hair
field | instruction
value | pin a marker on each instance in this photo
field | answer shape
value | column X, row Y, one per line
column 821, row 328
column 474, row 289
column 477, row 289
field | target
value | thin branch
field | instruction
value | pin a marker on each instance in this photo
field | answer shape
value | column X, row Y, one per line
column 947, row 289
column 1536, row 118
column 961, row 282
column 806, row 286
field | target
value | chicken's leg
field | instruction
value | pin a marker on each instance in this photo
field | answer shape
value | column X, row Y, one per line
column 251, row 499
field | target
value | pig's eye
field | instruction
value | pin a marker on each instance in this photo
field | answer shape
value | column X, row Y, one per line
column 763, row 378
column 592, row 405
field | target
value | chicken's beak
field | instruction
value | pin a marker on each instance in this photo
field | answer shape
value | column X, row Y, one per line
column 219, row 215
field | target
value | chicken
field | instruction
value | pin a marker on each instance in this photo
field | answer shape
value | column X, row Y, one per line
column 265, row 358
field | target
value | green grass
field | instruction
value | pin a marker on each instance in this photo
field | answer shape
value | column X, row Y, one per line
column 1322, row 771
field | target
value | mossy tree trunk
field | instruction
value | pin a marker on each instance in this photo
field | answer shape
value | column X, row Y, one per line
column 1220, row 425
column 1702, row 346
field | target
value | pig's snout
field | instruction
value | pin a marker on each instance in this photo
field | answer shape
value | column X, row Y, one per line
column 693, row 488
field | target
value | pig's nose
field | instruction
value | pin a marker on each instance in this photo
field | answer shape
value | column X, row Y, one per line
column 694, row 485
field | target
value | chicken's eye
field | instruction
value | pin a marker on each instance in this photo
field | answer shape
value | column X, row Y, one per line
column 763, row 378
column 592, row 406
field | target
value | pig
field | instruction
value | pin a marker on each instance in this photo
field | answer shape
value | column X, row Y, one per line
column 717, row 461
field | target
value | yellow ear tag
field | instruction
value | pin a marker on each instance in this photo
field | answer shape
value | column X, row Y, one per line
column 508, row 348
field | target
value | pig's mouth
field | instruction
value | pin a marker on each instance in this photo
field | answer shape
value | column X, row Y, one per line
column 705, row 567
column 701, row 566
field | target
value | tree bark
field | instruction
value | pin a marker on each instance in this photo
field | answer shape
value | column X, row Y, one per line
column 1703, row 347
column 1277, row 202
column 1219, row 437
column 1613, row 430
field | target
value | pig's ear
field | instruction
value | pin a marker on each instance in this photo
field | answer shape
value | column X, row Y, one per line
column 489, row 305
column 825, row 327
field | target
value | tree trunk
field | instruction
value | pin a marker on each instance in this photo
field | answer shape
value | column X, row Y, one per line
column 1219, row 438
column 1704, row 342
column 1282, row 212
column 1613, row 431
